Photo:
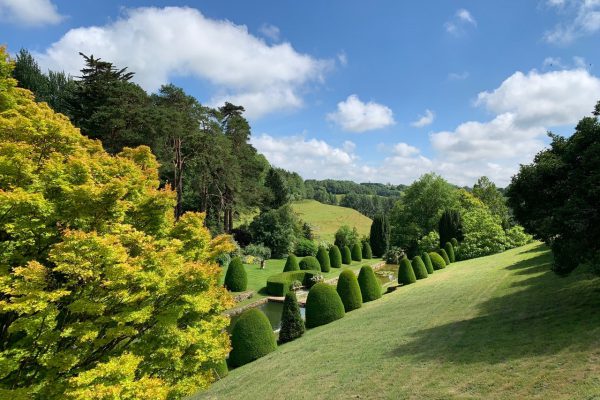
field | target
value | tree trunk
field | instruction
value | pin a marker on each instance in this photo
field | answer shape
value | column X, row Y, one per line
column 230, row 228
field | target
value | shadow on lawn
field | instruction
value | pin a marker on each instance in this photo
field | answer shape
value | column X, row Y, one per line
column 545, row 315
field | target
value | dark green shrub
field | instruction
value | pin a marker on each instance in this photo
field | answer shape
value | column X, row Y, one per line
column 356, row 252
column 292, row 325
column 444, row 255
column 394, row 255
column 379, row 238
column 323, row 305
column 306, row 247
column 279, row 284
column 335, row 257
column 450, row 252
column 345, row 236
column 454, row 243
column 450, row 226
column 251, row 338
column 427, row 262
column 291, row 264
column 236, row 279
column 437, row 261
column 366, row 251
column 346, row 255
column 406, row 275
column 323, row 257
column 370, row 287
column 349, row 290
column 419, row 268
column 310, row 263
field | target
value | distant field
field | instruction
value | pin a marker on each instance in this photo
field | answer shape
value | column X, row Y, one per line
column 326, row 219
column 497, row 327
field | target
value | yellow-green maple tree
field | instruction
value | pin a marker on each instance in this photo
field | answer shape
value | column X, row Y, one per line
column 103, row 295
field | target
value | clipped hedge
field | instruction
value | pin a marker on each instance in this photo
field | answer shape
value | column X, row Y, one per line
column 427, row 262
column 454, row 243
column 419, row 268
column 323, row 305
column 437, row 261
column 367, row 253
column 346, row 255
column 356, row 252
column 236, row 279
column 310, row 263
column 251, row 338
column 323, row 258
column 450, row 251
column 370, row 287
column 406, row 275
column 335, row 257
column 279, row 284
column 349, row 290
column 291, row 264
column 444, row 255
column 292, row 325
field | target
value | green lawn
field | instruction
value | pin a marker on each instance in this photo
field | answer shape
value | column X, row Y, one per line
column 326, row 219
column 257, row 278
column 498, row 327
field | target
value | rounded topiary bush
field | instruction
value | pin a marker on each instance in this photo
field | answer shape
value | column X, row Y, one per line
column 427, row 262
column 236, row 279
column 370, row 287
column 251, row 338
column 450, row 251
column 335, row 257
column 349, row 290
column 454, row 243
column 356, row 252
column 346, row 255
column 444, row 255
column 292, row 325
column 406, row 275
column 323, row 305
column 310, row 263
column 367, row 253
column 419, row 268
column 323, row 258
column 437, row 261
column 291, row 264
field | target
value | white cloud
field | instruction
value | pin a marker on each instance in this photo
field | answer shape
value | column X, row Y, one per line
column 270, row 31
column 342, row 58
column 584, row 20
column 465, row 15
column 30, row 12
column 424, row 120
column 353, row 115
column 158, row 43
column 404, row 150
column 459, row 22
column 456, row 76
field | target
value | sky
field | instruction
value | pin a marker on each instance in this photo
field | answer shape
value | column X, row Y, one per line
column 378, row 91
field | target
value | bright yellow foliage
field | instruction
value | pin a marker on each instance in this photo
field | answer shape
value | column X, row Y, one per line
column 102, row 294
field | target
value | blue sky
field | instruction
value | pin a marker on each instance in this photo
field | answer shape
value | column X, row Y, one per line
column 370, row 91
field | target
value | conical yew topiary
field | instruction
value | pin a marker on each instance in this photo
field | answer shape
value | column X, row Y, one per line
column 427, row 262
column 406, row 275
column 335, row 257
column 323, row 305
column 236, row 279
column 291, row 264
column 356, row 252
column 251, row 338
column 370, row 287
column 310, row 263
column 323, row 257
column 450, row 251
column 444, row 255
column 366, row 251
column 437, row 261
column 454, row 243
column 349, row 290
column 292, row 325
column 346, row 255
column 419, row 268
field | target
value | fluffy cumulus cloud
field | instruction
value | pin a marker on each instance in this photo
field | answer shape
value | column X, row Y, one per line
column 424, row 120
column 270, row 31
column 582, row 19
column 30, row 12
column 241, row 67
column 354, row 115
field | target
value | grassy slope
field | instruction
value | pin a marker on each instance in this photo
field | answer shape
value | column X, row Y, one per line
column 499, row 327
column 326, row 219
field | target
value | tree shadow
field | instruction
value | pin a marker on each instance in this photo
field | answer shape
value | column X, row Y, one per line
column 537, row 249
column 545, row 315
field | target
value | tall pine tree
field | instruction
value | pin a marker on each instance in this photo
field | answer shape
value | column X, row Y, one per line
column 379, row 238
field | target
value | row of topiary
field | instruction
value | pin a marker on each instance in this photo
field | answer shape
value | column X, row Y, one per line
column 252, row 336
column 421, row 267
